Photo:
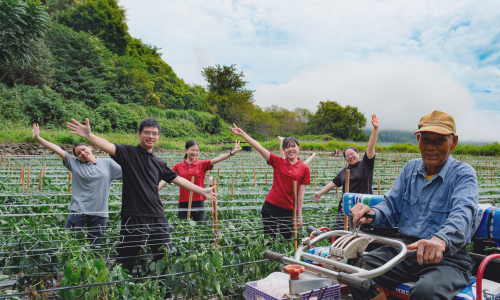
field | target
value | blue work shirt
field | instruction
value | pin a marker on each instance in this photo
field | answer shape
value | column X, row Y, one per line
column 443, row 207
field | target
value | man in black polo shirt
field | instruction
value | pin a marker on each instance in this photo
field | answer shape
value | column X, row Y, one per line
column 143, row 217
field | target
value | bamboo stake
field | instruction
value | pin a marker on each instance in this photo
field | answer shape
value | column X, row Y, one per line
column 28, row 185
column 40, row 180
column 44, row 169
column 254, row 179
column 315, row 174
column 265, row 175
column 336, row 191
column 242, row 172
column 69, row 179
column 22, row 176
column 378, row 184
column 348, row 175
column 295, row 215
column 190, row 200
column 216, row 226
column 232, row 188
column 390, row 181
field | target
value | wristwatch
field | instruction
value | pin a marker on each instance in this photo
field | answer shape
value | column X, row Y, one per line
column 231, row 152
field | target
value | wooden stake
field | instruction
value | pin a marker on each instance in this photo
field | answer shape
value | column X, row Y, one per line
column 390, row 181
column 22, row 176
column 346, row 219
column 190, row 200
column 40, row 180
column 295, row 215
column 242, row 172
column 28, row 185
column 218, row 177
column 265, row 175
column 232, row 188
column 44, row 169
column 69, row 179
column 378, row 184
column 254, row 179
column 9, row 164
column 216, row 226
column 315, row 174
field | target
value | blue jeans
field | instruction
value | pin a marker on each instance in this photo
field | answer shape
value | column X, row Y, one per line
column 95, row 225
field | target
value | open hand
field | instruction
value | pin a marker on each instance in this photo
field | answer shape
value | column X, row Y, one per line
column 429, row 251
column 281, row 139
column 35, row 130
column 79, row 129
column 236, row 130
column 317, row 195
column 237, row 147
column 210, row 194
column 374, row 121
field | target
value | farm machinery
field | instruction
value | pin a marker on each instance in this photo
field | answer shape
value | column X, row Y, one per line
column 317, row 267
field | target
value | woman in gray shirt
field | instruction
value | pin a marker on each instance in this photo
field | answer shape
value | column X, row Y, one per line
column 90, row 182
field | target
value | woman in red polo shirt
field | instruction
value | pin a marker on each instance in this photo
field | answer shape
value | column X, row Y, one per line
column 190, row 167
column 277, row 211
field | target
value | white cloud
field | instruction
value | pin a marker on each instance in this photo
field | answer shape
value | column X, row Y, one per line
column 281, row 43
column 399, row 93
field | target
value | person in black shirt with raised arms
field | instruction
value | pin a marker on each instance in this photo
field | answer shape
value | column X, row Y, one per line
column 361, row 177
column 143, row 218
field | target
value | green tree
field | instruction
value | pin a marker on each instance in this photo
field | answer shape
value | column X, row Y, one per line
column 222, row 79
column 103, row 18
column 341, row 122
column 22, row 26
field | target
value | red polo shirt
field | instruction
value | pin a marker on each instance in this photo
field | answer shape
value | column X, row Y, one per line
column 198, row 169
column 281, row 194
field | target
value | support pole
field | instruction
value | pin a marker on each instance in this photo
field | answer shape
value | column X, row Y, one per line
column 40, row 180
column 232, row 188
column 69, row 179
column 295, row 215
column 190, row 200
column 28, row 184
column 216, row 225
column 348, row 175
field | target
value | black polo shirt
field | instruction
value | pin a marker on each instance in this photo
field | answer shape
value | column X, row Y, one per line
column 360, row 179
column 142, row 172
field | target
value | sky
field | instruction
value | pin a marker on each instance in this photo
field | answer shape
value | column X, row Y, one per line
column 399, row 60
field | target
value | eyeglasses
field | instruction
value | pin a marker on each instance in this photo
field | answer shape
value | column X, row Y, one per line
column 349, row 155
column 151, row 133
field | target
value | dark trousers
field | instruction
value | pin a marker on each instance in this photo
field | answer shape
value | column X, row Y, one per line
column 197, row 211
column 441, row 281
column 274, row 217
column 339, row 221
column 136, row 233
column 95, row 225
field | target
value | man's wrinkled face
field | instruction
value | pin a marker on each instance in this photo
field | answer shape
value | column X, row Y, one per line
column 435, row 148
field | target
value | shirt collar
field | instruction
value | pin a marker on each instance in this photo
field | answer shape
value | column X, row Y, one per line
column 296, row 165
column 443, row 171
column 194, row 163
column 140, row 148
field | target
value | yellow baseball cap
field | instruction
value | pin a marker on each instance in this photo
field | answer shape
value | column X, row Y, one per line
column 437, row 122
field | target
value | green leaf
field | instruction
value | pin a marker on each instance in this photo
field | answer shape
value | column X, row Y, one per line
column 177, row 267
column 168, row 281
column 160, row 266
column 4, row 277
column 152, row 266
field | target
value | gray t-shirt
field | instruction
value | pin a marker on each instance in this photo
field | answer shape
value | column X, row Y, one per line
column 91, row 183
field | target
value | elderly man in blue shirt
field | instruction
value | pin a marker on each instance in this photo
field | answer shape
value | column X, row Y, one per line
column 432, row 202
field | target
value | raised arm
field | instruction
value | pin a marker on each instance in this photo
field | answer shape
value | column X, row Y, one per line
column 323, row 191
column 222, row 157
column 238, row 131
column 47, row 144
column 84, row 132
column 310, row 158
column 184, row 183
column 370, row 150
column 282, row 153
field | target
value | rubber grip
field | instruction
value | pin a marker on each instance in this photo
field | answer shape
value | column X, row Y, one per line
column 369, row 215
column 311, row 229
column 354, row 281
column 273, row 256
column 411, row 254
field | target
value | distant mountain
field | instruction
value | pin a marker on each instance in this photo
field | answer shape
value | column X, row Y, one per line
column 394, row 136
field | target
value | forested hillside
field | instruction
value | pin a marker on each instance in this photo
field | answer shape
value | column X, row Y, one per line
column 75, row 58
